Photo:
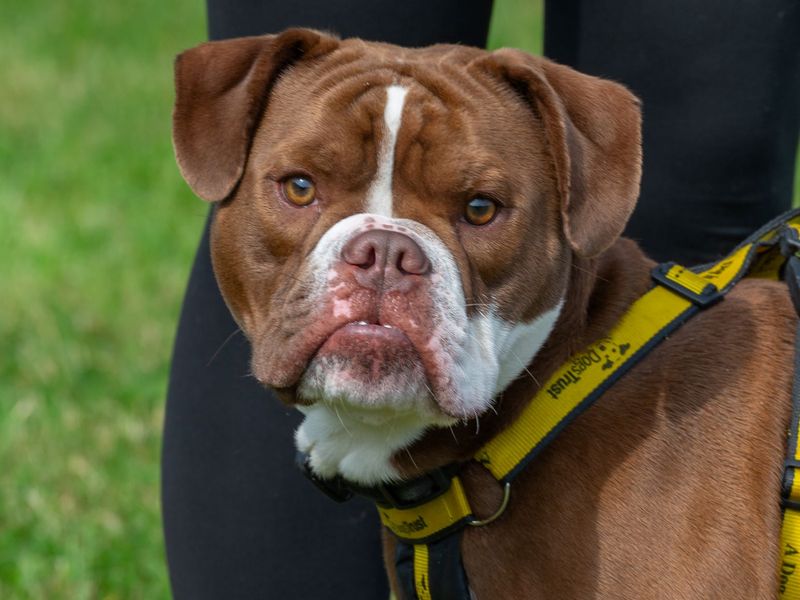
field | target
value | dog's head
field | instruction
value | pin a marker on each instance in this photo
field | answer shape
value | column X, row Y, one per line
column 395, row 226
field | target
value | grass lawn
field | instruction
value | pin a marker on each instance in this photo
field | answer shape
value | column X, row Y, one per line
column 97, row 232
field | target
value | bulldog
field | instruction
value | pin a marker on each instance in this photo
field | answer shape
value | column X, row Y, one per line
column 413, row 240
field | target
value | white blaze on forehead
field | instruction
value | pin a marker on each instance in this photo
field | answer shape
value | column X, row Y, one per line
column 379, row 197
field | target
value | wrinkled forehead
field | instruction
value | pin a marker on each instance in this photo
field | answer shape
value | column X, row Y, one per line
column 448, row 119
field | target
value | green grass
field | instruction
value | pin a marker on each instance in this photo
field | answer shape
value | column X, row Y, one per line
column 97, row 233
column 517, row 23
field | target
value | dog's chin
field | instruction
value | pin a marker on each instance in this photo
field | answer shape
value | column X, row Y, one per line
column 365, row 396
column 370, row 370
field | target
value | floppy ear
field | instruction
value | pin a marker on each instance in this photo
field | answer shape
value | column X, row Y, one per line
column 220, row 92
column 593, row 133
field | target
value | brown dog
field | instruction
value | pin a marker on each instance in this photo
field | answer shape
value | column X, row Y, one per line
column 412, row 239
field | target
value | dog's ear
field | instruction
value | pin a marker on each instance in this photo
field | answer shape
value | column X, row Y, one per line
column 220, row 93
column 593, row 134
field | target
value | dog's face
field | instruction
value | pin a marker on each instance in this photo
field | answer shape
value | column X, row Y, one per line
column 396, row 227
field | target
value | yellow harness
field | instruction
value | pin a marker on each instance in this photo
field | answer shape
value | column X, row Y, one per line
column 428, row 524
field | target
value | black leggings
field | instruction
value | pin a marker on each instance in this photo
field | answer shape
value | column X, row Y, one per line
column 719, row 83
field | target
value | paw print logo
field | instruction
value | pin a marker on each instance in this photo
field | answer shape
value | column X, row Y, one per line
column 484, row 459
column 612, row 352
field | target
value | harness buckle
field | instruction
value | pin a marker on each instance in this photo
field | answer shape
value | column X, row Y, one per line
column 409, row 494
column 789, row 244
column 789, row 241
column 686, row 283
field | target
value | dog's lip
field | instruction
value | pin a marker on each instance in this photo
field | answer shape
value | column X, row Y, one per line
column 374, row 331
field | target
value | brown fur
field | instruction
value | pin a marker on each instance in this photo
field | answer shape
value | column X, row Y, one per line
column 668, row 486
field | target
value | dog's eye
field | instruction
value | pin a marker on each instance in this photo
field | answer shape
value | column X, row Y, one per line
column 480, row 211
column 299, row 190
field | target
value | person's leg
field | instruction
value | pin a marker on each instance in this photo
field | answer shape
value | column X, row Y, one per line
column 407, row 23
column 240, row 520
column 721, row 99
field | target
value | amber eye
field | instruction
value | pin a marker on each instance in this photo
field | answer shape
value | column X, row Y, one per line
column 299, row 190
column 480, row 211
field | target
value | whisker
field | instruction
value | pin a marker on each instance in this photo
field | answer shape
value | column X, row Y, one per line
column 297, row 279
column 222, row 345
column 525, row 368
column 336, row 410
column 576, row 267
column 430, row 391
column 453, row 433
column 413, row 462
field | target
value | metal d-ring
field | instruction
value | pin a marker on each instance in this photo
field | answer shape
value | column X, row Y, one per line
column 500, row 511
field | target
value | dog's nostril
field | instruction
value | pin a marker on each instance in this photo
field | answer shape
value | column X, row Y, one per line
column 412, row 263
column 369, row 260
column 386, row 251
column 361, row 255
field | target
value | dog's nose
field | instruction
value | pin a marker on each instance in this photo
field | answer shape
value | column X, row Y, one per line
column 384, row 258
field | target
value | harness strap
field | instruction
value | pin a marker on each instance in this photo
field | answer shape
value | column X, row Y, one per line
column 788, row 574
column 431, row 520
column 432, row 571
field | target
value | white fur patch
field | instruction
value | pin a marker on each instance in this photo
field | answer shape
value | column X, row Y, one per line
column 491, row 352
column 511, row 345
column 379, row 197
column 356, row 445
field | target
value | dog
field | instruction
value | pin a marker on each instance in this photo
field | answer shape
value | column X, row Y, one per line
column 413, row 240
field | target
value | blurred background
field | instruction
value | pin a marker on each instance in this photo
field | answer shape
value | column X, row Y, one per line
column 97, row 234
